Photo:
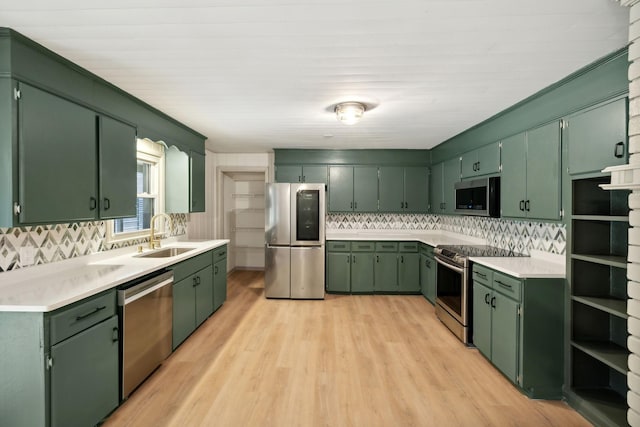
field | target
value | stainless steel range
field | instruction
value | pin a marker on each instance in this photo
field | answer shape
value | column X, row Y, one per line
column 454, row 290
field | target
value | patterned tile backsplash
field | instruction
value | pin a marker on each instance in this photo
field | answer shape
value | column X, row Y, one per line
column 62, row 241
column 520, row 236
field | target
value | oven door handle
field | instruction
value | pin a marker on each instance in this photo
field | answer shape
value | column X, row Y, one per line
column 451, row 266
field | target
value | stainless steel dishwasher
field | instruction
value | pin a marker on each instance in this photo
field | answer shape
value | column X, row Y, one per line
column 146, row 317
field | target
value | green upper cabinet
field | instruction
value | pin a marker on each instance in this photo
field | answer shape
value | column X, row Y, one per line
column 391, row 188
column 481, row 161
column 57, row 154
column 444, row 177
column 340, row 189
column 597, row 138
column 353, row 189
column 403, row 189
column 302, row 173
column 117, row 145
column 176, row 184
column 531, row 174
column 197, row 182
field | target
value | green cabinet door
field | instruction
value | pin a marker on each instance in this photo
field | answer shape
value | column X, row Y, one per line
column 513, row 186
column 338, row 271
column 543, row 172
column 184, row 310
column 288, row 173
column 85, row 376
column 203, row 282
column 409, row 272
column 362, row 272
column 416, row 190
column 598, row 138
column 488, row 159
column 196, row 182
column 451, row 175
column 391, row 189
column 340, row 189
column 424, row 275
column 504, row 331
column 430, row 265
column 219, row 283
column 468, row 164
column 365, row 189
column 314, row 174
column 386, row 272
column 437, row 176
column 482, row 318
column 117, row 145
column 56, row 159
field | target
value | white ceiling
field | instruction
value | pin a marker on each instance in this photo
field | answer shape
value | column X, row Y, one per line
column 254, row 75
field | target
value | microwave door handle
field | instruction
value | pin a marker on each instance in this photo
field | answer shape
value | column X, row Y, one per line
column 451, row 266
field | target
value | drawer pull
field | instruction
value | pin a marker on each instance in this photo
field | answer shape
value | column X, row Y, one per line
column 221, row 254
column 114, row 335
column 503, row 284
column 91, row 313
column 387, row 246
column 486, row 298
column 484, row 276
column 493, row 302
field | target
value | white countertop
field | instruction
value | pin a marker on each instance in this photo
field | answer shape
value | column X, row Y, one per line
column 432, row 238
column 50, row 286
column 538, row 265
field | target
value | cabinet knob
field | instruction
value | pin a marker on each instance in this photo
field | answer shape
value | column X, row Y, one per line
column 106, row 204
column 93, row 203
column 618, row 151
column 493, row 302
column 526, row 206
column 486, row 298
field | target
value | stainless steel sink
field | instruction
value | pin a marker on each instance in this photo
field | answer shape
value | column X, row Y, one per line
column 165, row 253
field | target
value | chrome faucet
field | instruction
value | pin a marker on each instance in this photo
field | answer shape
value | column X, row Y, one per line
column 153, row 242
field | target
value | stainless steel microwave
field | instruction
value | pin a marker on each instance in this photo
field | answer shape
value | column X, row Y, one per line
column 478, row 197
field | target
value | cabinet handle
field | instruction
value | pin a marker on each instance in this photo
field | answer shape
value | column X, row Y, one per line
column 478, row 167
column 526, row 206
column 91, row 313
column 93, row 203
column 215, row 269
column 377, row 259
column 484, row 276
column 304, row 178
column 348, row 259
column 299, row 180
column 351, row 205
column 195, row 282
column 618, row 151
column 114, row 335
column 106, row 203
column 522, row 205
column 506, row 285
column 406, row 205
column 427, row 263
column 354, row 259
column 401, row 205
column 355, row 205
column 401, row 259
column 493, row 302
column 486, row 298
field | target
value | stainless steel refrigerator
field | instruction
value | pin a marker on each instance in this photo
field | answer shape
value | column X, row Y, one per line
column 294, row 235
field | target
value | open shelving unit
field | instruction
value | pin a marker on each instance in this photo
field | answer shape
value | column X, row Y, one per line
column 246, row 219
column 598, row 304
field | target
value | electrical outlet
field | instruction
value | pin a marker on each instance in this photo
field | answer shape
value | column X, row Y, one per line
column 27, row 255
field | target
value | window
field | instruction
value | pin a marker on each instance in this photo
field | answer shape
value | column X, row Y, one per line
column 150, row 189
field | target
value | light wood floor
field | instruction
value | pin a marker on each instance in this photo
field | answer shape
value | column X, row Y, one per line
column 345, row 361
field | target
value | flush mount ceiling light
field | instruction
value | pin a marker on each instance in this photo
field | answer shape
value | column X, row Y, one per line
column 350, row 113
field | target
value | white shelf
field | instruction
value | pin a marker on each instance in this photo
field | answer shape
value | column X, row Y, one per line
column 247, row 195
column 247, row 229
column 248, row 210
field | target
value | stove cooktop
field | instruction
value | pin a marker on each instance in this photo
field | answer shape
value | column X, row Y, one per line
column 451, row 251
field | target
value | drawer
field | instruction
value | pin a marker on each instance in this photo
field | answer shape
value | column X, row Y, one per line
column 507, row 285
column 191, row 265
column 363, row 246
column 68, row 321
column 408, row 246
column 386, row 246
column 426, row 249
column 338, row 246
column 482, row 274
column 219, row 253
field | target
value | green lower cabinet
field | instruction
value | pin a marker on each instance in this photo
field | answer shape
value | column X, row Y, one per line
column 386, row 272
column 184, row 310
column 203, row 282
column 518, row 325
column 482, row 318
column 409, row 272
column 362, row 272
column 338, row 272
column 219, row 283
column 428, row 277
column 85, row 376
